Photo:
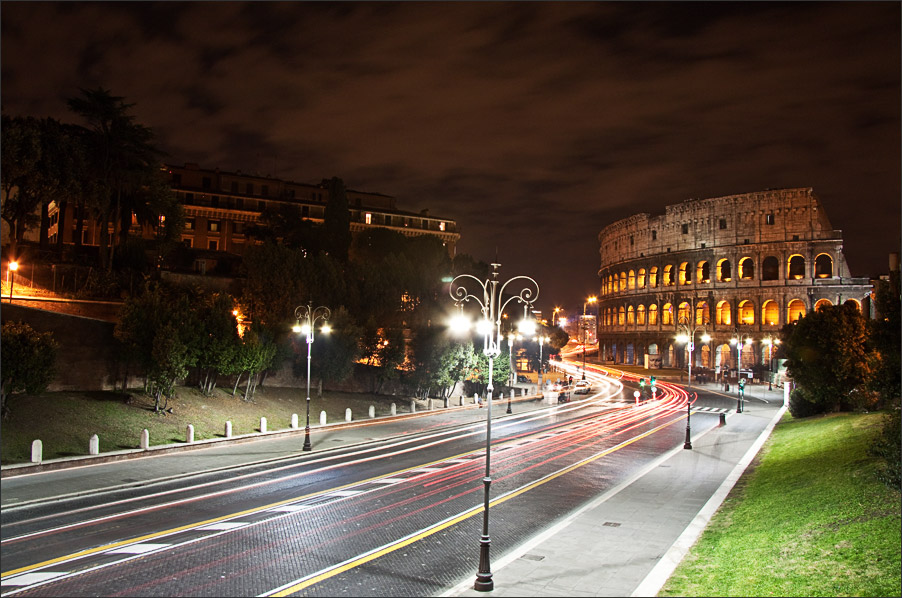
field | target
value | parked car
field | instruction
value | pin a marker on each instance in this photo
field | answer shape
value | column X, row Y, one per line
column 582, row 387
column 522, row 378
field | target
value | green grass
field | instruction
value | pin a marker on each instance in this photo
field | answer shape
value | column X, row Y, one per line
column 64, row 421
column 809, row 519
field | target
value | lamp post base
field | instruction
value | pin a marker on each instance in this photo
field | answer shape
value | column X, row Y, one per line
column 484, row 581
column 307, row 445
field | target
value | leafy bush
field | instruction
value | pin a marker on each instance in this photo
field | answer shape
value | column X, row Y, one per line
column 27, row 361
column 887, row 447
column 802, row 405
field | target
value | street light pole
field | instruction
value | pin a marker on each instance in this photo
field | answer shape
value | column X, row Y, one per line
column 490, row 299
column 688, row 336
column 310, row 316
column 541, row 340
column 740, row 340
column 585, row 331
column 11, row 267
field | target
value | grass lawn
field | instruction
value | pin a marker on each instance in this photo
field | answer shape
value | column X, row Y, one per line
column 64, row 421
column 809, row 519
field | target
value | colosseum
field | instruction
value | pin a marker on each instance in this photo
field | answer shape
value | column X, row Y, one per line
column 734, row 268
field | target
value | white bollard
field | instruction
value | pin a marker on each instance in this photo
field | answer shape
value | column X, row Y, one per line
column 322, row 418
column 413, row 406
column 37, row 450
column 522, row 392
column 228, row 429
column 475, row 398
column 372, row 412
column 189, row 434
column 294, row 421
column 263, row 425
column 786, row 386
column 145, row 439
column 394, row 409
column 348, row 414
column 94, row 445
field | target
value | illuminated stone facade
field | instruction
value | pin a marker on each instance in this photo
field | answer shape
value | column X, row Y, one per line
column 741, row 265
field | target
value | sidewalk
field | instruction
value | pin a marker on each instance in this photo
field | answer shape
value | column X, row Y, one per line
column 629, row 540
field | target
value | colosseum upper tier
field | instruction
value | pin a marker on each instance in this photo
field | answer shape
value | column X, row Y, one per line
column 736, row 267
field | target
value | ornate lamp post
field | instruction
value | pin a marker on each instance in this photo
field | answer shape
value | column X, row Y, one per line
column 586, row 331
column 511, row 337
column 740, row 340
column 542, row 340
column 687, row 335
column 490, row 298
column 769, row 342
column 310, row 315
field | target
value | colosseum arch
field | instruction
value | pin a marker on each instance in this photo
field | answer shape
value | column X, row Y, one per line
column 854, row 302
column 653, row 315
column 685, row 273
column 795, row 309
column 706, row 356
column 630, row 315
column 823, row 266
column 667, row 314
column 621, row 316
column 640, row 278
column 702, row 316
column 631, row 280
column 770, row 313
column 822, row 303
column 796, row 269
column 640, row 315
column 770, row 268
column 668, row 276
column 653, row 276
column 622, row 281
column 746, row 312
column 724, row 271
column 683, row 313
column 703, row 272
column 723, row 313
column 746, row 269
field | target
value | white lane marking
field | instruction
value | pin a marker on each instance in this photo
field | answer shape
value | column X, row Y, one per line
column 224, row 525
column 291, row 508
column 30, row 578
column 137, row 548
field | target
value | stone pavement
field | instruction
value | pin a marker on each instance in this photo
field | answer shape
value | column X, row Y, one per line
column 626, row 542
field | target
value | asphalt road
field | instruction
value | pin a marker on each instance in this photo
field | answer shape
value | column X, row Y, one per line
column 399, row 516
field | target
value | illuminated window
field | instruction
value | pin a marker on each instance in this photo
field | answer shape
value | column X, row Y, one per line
column 441, row 226
column 640, row 278
column 623, row 281
column 746, row 312
column 724, row 271
column 630, row 315
column 632, row 280
column 685, row 276
column 723, row 313
column 668, row 276
column 653, row 277
column 701, row 313
column 796, row 268
column 667, row 314
column 795, row 310
column 640, row 315
column 823, row 266
column 746, row 268
column 368, row 218
column 770, row 313
column 703, row 272
column 652, row 315
column 683, row 314
column 621, row 316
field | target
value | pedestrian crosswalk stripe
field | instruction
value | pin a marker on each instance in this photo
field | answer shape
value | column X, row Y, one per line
column 221, row 525
column 137, row 548
column 34, row 577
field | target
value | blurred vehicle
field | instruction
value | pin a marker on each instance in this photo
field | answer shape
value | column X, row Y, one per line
column 522, row 378
column 582, row 387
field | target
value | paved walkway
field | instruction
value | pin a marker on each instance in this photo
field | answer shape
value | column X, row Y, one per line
column 626, row 542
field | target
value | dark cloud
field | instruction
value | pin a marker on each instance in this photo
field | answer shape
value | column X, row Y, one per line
column 533, row 124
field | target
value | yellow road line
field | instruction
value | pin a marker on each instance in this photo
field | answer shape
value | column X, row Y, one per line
column 463, row 516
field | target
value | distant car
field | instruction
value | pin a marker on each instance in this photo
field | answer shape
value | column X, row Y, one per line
column 582, row 387
column 522, row 378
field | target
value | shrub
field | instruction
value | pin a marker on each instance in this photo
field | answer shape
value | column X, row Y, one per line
column 28, row 361
column 802, row 405
column 886, row 446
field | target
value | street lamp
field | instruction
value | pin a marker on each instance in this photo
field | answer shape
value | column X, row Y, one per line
column 554, row 315
column 490, row 299
column 11, row 267
column 740, row 340
column 688, row 443
column 542, row 340
column 511, row 337
column 687, row 335
column 585, row 328
column 310, row 316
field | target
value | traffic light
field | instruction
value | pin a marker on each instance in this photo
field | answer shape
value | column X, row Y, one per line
column 641, row 382
column 653, row 380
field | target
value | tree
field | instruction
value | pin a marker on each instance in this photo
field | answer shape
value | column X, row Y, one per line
column 217, row 337
column 886, row 339
column 334, row 355
column 170, row 360
column 827, row 356
column 28, row 361
column 21, row 154
column 123, row 163
column 439, row 361
column 338, row 221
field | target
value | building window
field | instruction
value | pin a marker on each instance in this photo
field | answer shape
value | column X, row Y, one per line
column 189, row 197
column 234, row 186
column 723, row 224
column 213, row 244
column 265, row 191
column 189, row 224
column 206, row 183
column 368, row 218
column 631, row 241
column 214, row 201
column 249, row 188
column 177, row 179
column 238, row 228
column 441, row 226
column 769, row 219
column 685, row 229
column 654, row 235
column 213, row 226
column 239, row 203
column 187, row 242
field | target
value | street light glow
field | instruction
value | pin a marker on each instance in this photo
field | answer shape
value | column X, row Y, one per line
column 14, row 266
column 459, row 324
column 527, row 327
column 484, row 327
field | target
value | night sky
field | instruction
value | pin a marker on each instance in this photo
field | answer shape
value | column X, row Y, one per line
column 534, row 125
